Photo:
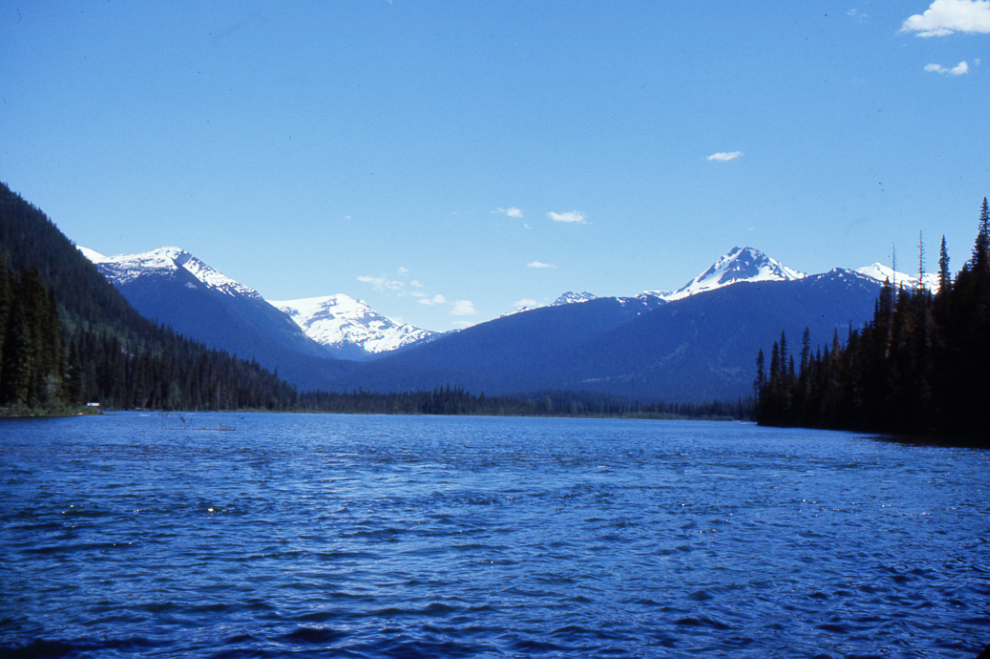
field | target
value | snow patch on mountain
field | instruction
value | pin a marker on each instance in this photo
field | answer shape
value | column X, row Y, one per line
column 91, row 254
column 340, row 320
column 660, row 295
column 124, row 268
column 740, row 264
column 881, row 272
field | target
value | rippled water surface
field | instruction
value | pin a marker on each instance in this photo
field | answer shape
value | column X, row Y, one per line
column 278, row 535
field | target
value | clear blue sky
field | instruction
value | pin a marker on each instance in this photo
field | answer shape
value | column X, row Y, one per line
column 408, row 152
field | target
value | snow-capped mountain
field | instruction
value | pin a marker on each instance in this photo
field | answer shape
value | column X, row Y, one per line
column 740, row 264
column 124, row 268
column 348, row 325
column 570, row 297
column 173, row 287
column 881, row 273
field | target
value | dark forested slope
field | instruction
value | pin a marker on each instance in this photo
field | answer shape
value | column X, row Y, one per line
column 96, row 347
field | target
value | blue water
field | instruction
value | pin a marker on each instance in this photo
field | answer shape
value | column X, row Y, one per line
column 256, row 535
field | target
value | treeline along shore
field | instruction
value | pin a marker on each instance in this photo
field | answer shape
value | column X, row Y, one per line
column 920, row 366
column 68, row 338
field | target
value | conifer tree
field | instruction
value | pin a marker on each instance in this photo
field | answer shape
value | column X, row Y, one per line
column 944, row 277
column 921, row 259
column 761, row 376
column 981, row 250
column 783, row 354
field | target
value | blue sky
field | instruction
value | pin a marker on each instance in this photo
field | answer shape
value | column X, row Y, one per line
column 447, row 161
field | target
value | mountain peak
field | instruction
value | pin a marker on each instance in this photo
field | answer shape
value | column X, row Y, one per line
column 341, row 321
column 124, row 268
column 740, row 264
column 570, row 297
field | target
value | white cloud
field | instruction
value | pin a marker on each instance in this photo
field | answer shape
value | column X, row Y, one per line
column 403, row 271
column 382, row 283
column 539, row 264
column 461, row 324
column 416, row 284
column 725, row 156
column 527, row 303
column 944, row 17
column 857, row 14
column 526, row 226
column 511, row 211
column 573, row 217
column 435, row 300
column 463, row 308
column 960, row 69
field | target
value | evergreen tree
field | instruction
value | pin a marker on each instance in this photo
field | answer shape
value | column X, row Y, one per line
column 944, row 278
column 981, row 250
column 761, row 377
column 805, row 349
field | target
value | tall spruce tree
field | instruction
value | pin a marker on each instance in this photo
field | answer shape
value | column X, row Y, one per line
column 944, row 276
column 981, row 250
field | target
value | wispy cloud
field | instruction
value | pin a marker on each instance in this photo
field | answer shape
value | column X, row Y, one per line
column 539, row 264
column 573, row 217
column 416, row 284
column 857, row 14
column 725, row 156
column 463, row 308
column 383, row 283
column 944, row 17
column 526, row 303
column 960, row 69
column 512, row 211
column 461, row 324
column 403, row 271
column 433, row 301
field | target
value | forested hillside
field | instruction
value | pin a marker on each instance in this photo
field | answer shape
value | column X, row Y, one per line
column 68, row 337
column 919, row 366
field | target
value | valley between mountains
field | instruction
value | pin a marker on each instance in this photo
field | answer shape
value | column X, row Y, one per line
column 696, row 343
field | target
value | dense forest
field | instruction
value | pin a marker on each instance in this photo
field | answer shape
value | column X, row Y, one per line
column 456, row 401
column 918, row 367
column 68, row 338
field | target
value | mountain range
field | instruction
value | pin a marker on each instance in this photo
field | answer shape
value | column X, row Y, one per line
column 701, row 347
column 698, row 342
